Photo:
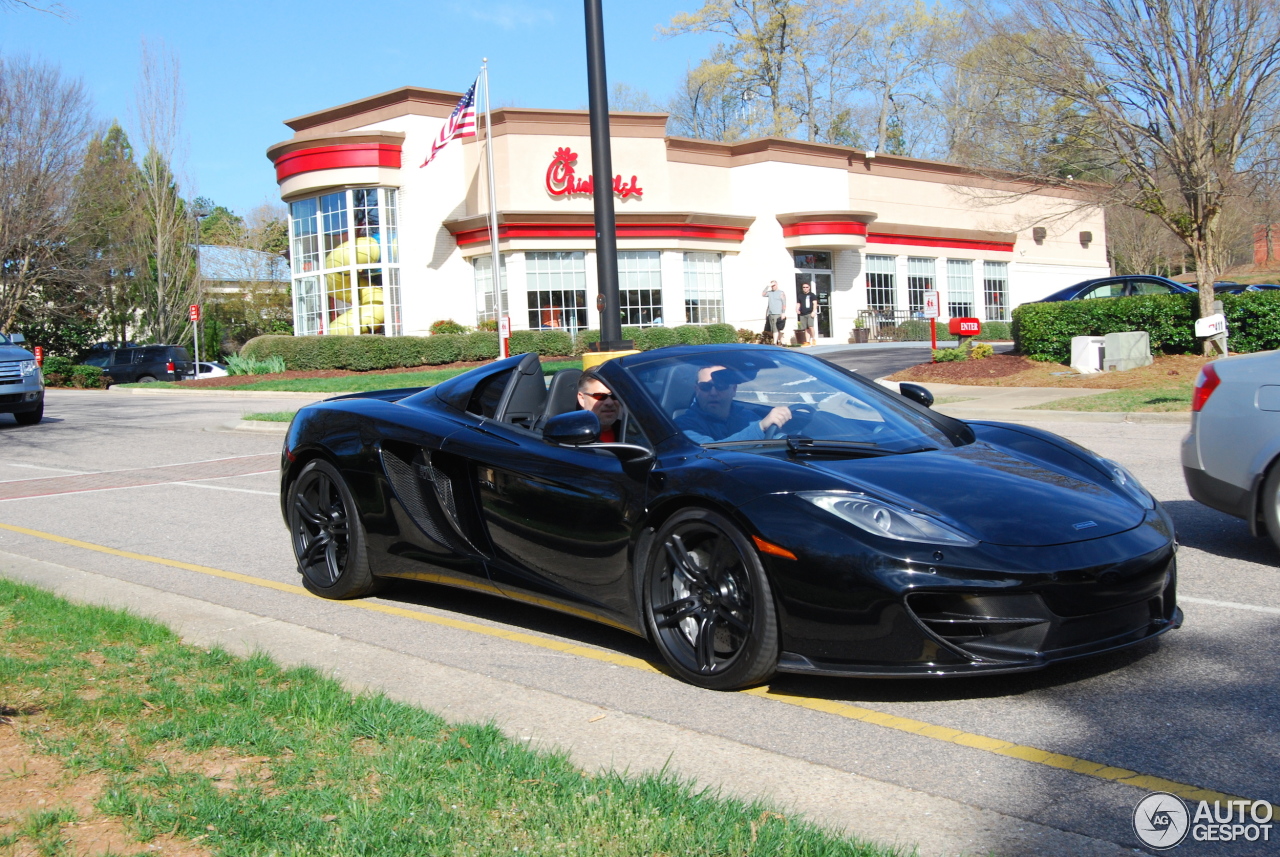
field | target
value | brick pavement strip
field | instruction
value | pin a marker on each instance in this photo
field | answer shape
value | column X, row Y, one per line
column 244, row 465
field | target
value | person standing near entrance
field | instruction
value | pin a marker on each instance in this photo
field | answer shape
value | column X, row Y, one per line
column 775, row 311
column 807, row 316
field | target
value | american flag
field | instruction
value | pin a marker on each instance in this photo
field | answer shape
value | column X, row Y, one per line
column 461, row 123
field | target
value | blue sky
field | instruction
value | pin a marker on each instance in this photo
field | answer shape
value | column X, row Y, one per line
column 248, row 66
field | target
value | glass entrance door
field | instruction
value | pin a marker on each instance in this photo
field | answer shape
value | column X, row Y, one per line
column 814, row 268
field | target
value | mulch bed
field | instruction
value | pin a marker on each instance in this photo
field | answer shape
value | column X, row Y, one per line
column 966, row 371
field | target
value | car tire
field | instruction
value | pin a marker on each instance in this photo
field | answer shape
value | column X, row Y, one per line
column 1271, row 503
column 708, row 604
column 147, row 379
column 30, row 418
column 328, row 538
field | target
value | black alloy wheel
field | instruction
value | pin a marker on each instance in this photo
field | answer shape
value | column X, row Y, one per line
column 328, row 538
column 708, row 603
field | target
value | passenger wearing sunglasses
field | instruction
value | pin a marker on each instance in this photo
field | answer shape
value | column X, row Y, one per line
column 715, row 416
column 594, row 396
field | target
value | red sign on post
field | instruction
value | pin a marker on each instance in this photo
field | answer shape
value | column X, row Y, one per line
column 965, row 326
column 195, row 312
column 39, row 353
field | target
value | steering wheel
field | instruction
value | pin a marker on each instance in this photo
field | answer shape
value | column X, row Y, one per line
column 801, row 416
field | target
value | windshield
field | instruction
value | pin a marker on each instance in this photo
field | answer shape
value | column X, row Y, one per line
column 728, row 398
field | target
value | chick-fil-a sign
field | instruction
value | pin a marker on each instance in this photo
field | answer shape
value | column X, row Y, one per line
column 562, row 181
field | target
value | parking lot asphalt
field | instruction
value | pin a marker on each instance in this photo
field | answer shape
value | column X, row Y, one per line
column 991, row 765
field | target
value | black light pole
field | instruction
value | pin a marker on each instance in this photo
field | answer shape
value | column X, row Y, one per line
column 607, row 301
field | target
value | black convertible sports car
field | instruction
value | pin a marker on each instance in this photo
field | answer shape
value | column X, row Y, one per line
column 761, row 510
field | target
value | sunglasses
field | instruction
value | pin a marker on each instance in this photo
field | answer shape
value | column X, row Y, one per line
column 600, row 397
column 708, row 386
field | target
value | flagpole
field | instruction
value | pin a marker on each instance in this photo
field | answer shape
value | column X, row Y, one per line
column 504, row 323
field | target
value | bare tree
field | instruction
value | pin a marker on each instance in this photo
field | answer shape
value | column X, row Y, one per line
column 1174, row 98
column 166, row 236
column 44, row 124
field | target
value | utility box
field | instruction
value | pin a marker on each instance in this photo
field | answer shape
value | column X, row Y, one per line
column 1122, row 351
column 1086, row 354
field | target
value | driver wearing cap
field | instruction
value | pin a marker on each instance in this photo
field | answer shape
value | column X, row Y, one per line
column 715, row 416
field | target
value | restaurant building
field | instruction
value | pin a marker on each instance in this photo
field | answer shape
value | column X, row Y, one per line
column 380, row 245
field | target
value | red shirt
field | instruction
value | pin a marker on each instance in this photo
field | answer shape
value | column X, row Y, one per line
column 608, row 435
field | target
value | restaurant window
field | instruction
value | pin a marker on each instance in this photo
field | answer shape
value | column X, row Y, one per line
column 960, row 288
column 557, row 290
column 995, row 290
column 703, row 288
column 346, row 277
column 921, row 272
column 486, row 301
column 640, row 286
column 881, row 283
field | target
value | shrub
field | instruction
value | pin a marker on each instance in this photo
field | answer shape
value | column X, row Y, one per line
column 950, row 355
column 721, row 333
column 91, row 377
column 656, row 337
column 1043, row 331
column 434, row 350
column 480, row 345
column 980, row 351
column 692, row 334
column 240, row 365
column 448, row 325
column 746, row 336
column 55, row 365
column 489, row 324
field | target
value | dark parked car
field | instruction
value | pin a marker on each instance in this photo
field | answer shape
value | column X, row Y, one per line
column 144, row 363
column 1231, row 456
column 1120, row 287
column 834, row 527
column 1238, row 289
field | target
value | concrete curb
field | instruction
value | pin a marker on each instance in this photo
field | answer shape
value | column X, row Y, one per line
column 222, row 394
column 595, row 738
column 258, row 426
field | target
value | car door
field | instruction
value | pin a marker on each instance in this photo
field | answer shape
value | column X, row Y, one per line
column 1150, row 287
column 559, row 519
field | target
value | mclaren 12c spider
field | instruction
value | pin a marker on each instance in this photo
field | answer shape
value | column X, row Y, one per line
column 760, row 510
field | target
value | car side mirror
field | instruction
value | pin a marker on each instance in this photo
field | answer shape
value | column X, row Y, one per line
column 916, row 393
column 572, row 429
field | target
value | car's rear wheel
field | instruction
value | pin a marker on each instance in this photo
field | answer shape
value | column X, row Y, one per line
column 708, row 603
column 30, row 418
column 1271, row 503
column 328, row 538
column 147, row 379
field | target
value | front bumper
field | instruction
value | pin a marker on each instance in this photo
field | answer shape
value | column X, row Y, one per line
column 20, row 401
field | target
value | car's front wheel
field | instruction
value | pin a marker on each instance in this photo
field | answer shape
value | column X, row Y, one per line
column 1271, row 503
column 328, row 538
column 30, row 418
column 708, row 603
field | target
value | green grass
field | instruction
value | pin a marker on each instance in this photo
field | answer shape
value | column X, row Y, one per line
column 323, row 771
column 271, row 416
column 355, row 383
column 1169, row 400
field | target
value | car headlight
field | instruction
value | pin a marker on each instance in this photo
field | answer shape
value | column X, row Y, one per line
column 28, row 367
column 1129, row 484
column 885, row 519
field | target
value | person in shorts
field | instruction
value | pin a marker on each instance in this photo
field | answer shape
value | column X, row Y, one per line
column 807, row 316
column 775, row 311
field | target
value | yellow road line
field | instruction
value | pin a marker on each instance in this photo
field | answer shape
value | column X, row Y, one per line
column 826, row 706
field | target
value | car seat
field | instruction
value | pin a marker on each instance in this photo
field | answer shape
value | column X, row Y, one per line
column 677, row 396
column 562, row 395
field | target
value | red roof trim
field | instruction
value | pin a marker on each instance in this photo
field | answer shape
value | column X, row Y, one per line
column 824, row 227
column 337, row 157
column 588, row 230
column 954, row 243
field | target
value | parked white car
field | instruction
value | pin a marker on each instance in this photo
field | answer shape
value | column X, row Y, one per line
column 210, row 370
column 1231, row 457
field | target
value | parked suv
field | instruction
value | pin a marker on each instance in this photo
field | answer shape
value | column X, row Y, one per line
column 146, row 363
column 21, row 382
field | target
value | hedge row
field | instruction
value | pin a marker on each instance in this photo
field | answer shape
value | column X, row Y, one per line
column 917, row 330
column 1043, row 331
column 365, row 353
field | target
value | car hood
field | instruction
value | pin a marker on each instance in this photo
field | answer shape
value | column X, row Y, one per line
column 997, row 496
column 14, row 352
